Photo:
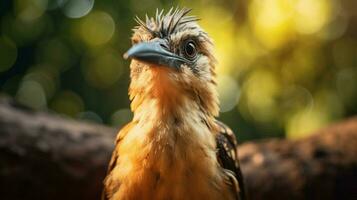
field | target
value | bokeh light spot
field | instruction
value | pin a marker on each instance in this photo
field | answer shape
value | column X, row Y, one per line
column 272, row 21
column 104, row 70
column 24, row 32
column 67, row 103
column 228, row 93
column 121, row 117
column 327, row 108
column 312, row 15
column 303, row 122
column 77, row 8
column 213, row 25
column 29, row 10
column 261, row 90
column 32, row 94
column 90, row 116
column 335, row 29
column 44, row 78
column 97, row 28
column 8, row 53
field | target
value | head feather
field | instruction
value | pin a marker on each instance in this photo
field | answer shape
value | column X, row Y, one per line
column 165, row 24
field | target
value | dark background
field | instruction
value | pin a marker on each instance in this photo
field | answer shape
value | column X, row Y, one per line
column 286, row 67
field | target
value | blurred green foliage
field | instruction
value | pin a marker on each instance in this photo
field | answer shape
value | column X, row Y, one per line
column 286, row 67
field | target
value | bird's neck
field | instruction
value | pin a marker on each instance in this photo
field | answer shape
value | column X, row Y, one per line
column 166, row 112
column 157, row 99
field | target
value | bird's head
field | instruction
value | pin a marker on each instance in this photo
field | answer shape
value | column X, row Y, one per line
column 172, row 60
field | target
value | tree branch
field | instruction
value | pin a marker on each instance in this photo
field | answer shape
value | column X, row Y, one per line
column 323, row 166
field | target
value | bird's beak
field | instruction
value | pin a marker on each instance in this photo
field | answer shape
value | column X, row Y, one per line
column 154, row 52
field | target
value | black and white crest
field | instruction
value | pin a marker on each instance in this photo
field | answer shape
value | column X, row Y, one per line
column 165, row 24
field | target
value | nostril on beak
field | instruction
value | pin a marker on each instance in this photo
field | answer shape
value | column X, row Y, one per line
column 164, row 46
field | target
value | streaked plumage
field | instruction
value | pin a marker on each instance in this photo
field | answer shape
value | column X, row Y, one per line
column 174, row 148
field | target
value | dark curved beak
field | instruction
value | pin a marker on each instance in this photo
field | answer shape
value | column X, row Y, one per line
column 155, row 52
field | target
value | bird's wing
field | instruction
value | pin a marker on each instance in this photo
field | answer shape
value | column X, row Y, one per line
column 227, row 157
column 109, row 185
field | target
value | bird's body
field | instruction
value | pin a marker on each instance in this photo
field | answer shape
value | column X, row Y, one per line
column 174, row 148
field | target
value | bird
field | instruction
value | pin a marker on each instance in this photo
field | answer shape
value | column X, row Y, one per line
column 174, row 148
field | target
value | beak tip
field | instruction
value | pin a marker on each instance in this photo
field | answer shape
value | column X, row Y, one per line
column 126, row 56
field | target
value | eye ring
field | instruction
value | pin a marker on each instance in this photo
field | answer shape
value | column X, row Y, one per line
column 190, row 49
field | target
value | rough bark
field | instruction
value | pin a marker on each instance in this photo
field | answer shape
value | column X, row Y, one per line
column 44, row 156
column 323, row 166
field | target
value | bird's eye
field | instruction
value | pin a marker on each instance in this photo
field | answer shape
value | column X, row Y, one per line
column 190, row 49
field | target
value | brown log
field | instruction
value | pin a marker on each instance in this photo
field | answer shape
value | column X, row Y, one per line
column 323, row 166
column 44, row 156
